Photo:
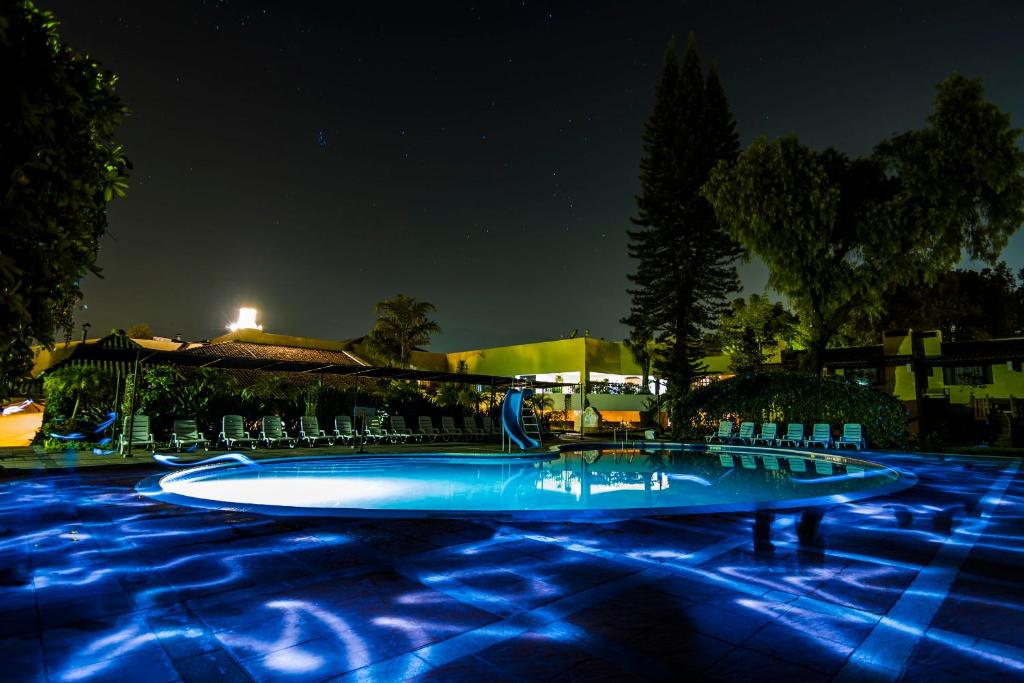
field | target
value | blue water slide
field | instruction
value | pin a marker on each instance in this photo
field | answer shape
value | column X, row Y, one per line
column 511, row 418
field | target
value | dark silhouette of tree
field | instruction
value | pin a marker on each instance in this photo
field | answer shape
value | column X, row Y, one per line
column 839, row 234
column 402, row 326
column 684, row 261
column 59, row 166
column 965, row 305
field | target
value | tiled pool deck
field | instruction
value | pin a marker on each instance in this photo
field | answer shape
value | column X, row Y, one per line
column 98, row 583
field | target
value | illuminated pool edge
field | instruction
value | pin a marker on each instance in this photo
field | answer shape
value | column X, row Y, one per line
column 151, row 487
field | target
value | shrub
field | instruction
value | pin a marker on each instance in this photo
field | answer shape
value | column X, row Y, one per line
column 785, row 397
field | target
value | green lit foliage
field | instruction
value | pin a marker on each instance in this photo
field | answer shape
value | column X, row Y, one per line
column 455, row 395
column 965, row 305
column 399, row 397
column 752, row 329
column 72, row 386
column 274, row 394
column 684, row 261
column 785, row 397
column 59, row 166
column 139, row 331
column 839, row 234
column 402, row 326
column 167, row 393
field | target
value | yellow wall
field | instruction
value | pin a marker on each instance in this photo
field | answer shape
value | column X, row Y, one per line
column 1006, row 383
column 563, row 355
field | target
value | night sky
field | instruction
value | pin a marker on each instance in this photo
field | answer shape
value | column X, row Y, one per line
column 314, row 158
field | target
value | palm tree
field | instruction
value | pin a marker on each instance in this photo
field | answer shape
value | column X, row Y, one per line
column 402, row 326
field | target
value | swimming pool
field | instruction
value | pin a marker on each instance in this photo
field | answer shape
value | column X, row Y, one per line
column 592, row 483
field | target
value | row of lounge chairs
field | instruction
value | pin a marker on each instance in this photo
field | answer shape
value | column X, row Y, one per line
column 185, row 434
column 821, row 435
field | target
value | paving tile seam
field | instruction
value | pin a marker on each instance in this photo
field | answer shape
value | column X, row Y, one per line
column 470, row 642
column 891, row 643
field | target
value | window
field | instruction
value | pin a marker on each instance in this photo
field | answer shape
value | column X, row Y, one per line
column 970, row 375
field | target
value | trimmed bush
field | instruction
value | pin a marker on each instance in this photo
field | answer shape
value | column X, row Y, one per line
column 786, row 397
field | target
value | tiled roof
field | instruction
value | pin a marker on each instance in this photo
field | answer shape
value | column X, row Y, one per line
column 269, row 352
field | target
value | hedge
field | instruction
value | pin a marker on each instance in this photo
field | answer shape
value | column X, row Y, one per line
column 785, row 397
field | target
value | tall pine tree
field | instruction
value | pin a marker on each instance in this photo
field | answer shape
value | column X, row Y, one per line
column 685, row 264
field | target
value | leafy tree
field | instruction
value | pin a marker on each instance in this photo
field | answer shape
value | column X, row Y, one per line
column 273, row 394
column 75, row 384
column 59, row 166
column 684, row 261
column 402, row 326
column 752, row 328
column 839, row 234
column 457, row 395
column 140, row 331
column 964, row 304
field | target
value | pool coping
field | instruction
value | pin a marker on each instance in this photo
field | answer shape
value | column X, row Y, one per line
column 150, row 486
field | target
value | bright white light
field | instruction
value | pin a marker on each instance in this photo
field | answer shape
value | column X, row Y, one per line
column 17, row 407
column 246, row 320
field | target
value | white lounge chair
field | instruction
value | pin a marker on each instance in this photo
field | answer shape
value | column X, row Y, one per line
column 310, row 432
column 343, row 429
column 375, row 431
column 768, row 436
column 821, row 436
column 232, row 432
column 853, row 435
column 794, row 435
column 472, row 431
column 399, row 429
column 723, row 434
column 138, row 427
column 489, row 426
column 272, row 432
column 427, row 430
column 186, row 433
column 448, row 428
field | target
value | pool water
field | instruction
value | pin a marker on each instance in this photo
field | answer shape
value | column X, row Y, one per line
column 602, row 482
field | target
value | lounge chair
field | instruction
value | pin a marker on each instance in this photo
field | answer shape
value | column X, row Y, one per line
column 427, row 430
column 768, row 436
column 138, row 427
column 232, row 431
column 185, row 433
column 272, row 432
column 794, row 435
column 821, row 436
column 489, row 427
column 310, row 432
column 472, row 431
column 746, row 433
column 375, row 431
column 771, row 463
column 723, row 434
column 399, row 429
column 823, row 467
column 748, row 461
column 725, row 460
column 853, row 435
column 448, row 428
column 343, row 429
column 797, row 464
